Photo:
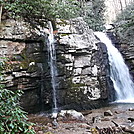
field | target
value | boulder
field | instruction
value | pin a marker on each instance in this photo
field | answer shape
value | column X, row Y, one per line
column 71, row 115
column 108, row 113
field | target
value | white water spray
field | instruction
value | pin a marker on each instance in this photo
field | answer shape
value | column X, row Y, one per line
column 52, row 62
column 119, row 72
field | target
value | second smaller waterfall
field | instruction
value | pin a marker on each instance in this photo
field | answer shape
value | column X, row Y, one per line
column 52, row 63
column 119, row 72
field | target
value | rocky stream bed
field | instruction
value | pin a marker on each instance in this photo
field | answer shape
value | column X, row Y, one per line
column 116, row 119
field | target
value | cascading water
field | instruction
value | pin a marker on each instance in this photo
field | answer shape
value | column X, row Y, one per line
column 119, row 72
column 52, row 63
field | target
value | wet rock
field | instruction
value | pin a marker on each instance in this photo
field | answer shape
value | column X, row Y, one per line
column 96, row 119
column 108, row 113
column 55, row 123
column 131, row 119
column 71, row 115
column 131, row 109
column 119, row 111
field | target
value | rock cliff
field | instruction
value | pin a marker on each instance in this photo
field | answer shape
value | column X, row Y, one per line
column 81, row 64
column 126, row 47
column 23, row 67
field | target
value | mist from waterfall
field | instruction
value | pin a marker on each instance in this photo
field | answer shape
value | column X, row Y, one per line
column 52, row 63
column 119, row 72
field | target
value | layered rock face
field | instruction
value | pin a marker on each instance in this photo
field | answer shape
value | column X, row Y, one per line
column 26, row 63
column 82, row 66
column 127, row 47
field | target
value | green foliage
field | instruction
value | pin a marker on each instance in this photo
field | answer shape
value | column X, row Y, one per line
column 13, row 120
column 35, row 10
column 95, row 14
column 126, row 18
column 127, row 13
column 125, row 24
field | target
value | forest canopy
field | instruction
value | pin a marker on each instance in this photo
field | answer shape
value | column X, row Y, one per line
column 37, row 11
column 34, row 11
column 125, row 23
column 95, row 14
column 126, row 17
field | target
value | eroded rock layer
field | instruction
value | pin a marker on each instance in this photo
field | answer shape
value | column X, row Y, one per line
column 82, row 66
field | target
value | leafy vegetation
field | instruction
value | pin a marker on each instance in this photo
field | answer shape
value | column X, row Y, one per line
column 34, row 11
column 126, row 17
column 13, row 119
column 94, row 14
column 125, row 24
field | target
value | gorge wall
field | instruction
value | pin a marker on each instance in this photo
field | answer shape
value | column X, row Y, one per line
column 82, row 66
column 126, row 47
column 25, row 60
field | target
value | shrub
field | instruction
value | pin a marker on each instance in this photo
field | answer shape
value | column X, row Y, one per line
column 13, row 119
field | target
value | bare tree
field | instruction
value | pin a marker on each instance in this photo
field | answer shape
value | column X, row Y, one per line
column 1, row 7
column 121, row 6
column 125, row 3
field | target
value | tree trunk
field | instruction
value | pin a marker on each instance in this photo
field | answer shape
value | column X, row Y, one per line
column 121, row 7
column 125, row 3
column 1, row 12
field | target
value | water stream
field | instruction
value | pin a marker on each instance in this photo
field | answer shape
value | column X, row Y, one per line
column 52, row 63
column 119, row 72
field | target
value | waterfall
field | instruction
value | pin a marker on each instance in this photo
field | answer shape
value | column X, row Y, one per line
column 52, row 63
column 119, row 72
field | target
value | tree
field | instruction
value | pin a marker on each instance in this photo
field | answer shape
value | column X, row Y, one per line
column 0, row 12
column 126, row 17
column 94, row 14
column 1, row 8
column 125, row 25
column 35, row 11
